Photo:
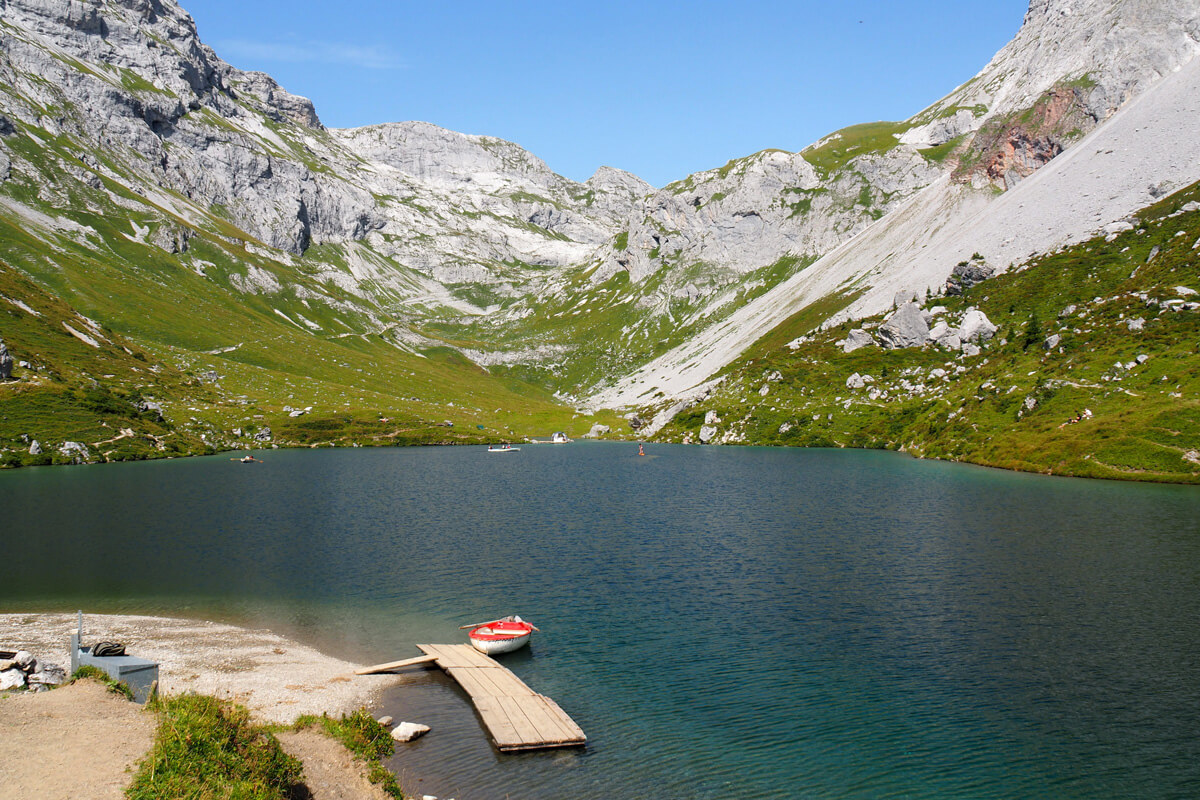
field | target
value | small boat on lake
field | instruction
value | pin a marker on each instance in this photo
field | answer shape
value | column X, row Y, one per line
column 503, row 448
column 501, row 635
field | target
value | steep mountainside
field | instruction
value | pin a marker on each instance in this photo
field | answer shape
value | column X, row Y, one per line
column 1083, row 362
column 1072, row 66
column 254, row 272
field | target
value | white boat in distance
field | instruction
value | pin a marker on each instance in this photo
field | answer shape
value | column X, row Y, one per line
column 501, row 635
column 503, row 448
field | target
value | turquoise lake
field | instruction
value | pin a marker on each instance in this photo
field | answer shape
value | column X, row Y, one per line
column 722, row 622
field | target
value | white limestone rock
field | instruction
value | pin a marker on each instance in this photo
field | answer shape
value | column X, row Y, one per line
column 6, row 362
column 408, row 731
column 597, row 430
column 905, row 327
column 12, row 679
column 707, row 433
column 976, row 327
column 856, row 339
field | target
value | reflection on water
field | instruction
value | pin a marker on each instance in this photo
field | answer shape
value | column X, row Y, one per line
column 721, row 622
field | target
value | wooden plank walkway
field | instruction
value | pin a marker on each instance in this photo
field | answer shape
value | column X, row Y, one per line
column 516, row 717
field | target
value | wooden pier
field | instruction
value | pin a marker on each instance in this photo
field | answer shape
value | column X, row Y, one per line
column 516, row 717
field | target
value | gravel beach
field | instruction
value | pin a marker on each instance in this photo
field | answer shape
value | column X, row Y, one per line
column 277, row 679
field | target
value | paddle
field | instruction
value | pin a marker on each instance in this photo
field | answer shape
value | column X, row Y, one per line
column 489, row 622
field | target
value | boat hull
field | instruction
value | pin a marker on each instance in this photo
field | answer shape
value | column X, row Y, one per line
column 497, row 646
column 501, row 636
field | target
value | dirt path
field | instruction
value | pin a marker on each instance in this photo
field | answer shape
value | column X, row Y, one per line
column 330, row 771
column 78, row 741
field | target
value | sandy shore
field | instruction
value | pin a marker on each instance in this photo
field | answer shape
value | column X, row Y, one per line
column 276, row 678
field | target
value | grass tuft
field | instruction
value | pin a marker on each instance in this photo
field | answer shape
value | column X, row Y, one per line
column 207, row 748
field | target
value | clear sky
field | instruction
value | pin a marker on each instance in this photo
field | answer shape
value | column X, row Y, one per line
column 662, row 89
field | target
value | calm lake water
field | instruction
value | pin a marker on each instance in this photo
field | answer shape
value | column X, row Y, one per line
column 722, row 622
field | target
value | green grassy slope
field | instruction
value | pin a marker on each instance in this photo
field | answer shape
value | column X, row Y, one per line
column 1011, row 406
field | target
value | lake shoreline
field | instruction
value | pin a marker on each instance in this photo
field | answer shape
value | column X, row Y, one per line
column 1033, row 469
column 276, row 678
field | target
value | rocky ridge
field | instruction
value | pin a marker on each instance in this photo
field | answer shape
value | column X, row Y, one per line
column 1135, row 157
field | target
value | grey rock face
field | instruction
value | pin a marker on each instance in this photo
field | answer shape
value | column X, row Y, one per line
column 46, row 676
column 906, row 327
column 758, row 209
column 35, row 448
column 597, row 430
column 967, row 274
column 707, row 433
column 76, row 451
column 944, row 336
column 855, row 339
column 6, row 362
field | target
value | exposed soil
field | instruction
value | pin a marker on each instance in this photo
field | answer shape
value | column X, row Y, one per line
column 78, row 741
column 330, row 771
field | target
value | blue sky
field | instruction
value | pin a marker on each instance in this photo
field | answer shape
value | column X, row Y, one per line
column 662, row 89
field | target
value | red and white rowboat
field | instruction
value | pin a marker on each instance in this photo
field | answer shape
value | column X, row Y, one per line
column 501, row 635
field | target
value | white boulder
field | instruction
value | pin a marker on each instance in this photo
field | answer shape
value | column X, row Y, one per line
column 906, row 327
column 12, row 679
column 976, row 327
column 408, row 731
column 855, row 339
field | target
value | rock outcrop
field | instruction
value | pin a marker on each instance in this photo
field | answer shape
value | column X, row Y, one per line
column 6, row 362
column 904, row 328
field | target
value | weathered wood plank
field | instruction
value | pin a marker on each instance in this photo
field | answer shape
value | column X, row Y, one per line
column 393, row 665
column 516, row 717
column 503, row 733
